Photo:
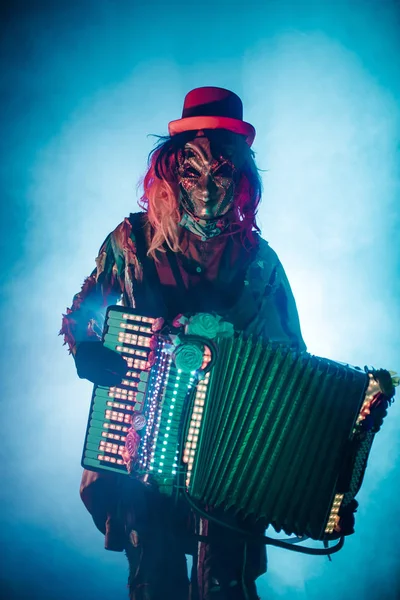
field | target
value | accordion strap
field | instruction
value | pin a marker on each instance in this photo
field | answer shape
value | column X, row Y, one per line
column 289, row 544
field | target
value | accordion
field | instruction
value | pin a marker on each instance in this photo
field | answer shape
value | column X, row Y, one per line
column 249, row 425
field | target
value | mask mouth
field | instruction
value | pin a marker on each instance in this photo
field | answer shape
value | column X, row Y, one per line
column 204, row 198
column 205, row 218
column 205, row 207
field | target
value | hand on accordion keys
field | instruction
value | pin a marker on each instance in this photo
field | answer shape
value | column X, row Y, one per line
column 99, row 364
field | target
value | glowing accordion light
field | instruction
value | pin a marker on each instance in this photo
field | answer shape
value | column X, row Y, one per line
column 266, row 431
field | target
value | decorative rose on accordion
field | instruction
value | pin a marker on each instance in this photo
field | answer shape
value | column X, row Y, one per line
column 151, row 359
column 203, row 324
column 132, row 442
column 153, row 343
column 126, row 457
column 188, row 357
column 130, row 450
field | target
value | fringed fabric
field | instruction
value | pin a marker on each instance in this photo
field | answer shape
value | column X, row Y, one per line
column 111, row 278
column 125, row 251
column 70, row 322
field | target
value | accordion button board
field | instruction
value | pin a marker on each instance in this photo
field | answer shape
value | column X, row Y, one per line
column 158, row 394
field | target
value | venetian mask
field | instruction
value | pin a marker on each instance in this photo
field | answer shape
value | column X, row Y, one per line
column 207, row 182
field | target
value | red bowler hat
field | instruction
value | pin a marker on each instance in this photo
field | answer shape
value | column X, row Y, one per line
column 212, row 108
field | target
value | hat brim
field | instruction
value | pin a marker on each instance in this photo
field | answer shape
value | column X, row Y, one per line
column 193, row 123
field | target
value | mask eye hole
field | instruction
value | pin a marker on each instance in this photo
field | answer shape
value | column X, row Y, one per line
column 188, row 171
column 225, row 170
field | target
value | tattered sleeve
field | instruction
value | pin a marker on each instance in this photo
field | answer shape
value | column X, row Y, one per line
column 83, row 321
column 117, row 271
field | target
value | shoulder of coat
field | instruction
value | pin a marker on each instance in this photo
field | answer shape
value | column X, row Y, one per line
column 266, row 254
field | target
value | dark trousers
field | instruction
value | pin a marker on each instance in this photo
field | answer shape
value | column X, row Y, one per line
column 157, row 568
column 228, row 564
column 223, row 569
column 156, row 550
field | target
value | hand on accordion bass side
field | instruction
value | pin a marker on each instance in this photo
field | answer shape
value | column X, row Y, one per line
column 99, row 364
column 345, row 521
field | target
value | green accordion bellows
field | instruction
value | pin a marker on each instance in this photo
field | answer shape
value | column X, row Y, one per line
column 275, row 430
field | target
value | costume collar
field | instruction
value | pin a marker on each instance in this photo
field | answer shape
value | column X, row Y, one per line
column 204, row 229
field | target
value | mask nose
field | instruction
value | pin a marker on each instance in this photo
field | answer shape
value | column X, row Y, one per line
column 207, row 186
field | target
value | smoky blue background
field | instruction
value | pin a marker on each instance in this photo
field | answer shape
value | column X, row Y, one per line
column 82, row 86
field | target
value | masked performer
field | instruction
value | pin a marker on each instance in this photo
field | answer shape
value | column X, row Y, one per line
column 196, row 248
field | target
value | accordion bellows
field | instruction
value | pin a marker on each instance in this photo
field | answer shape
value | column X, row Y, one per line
column 274, row 434
column 267, row 432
